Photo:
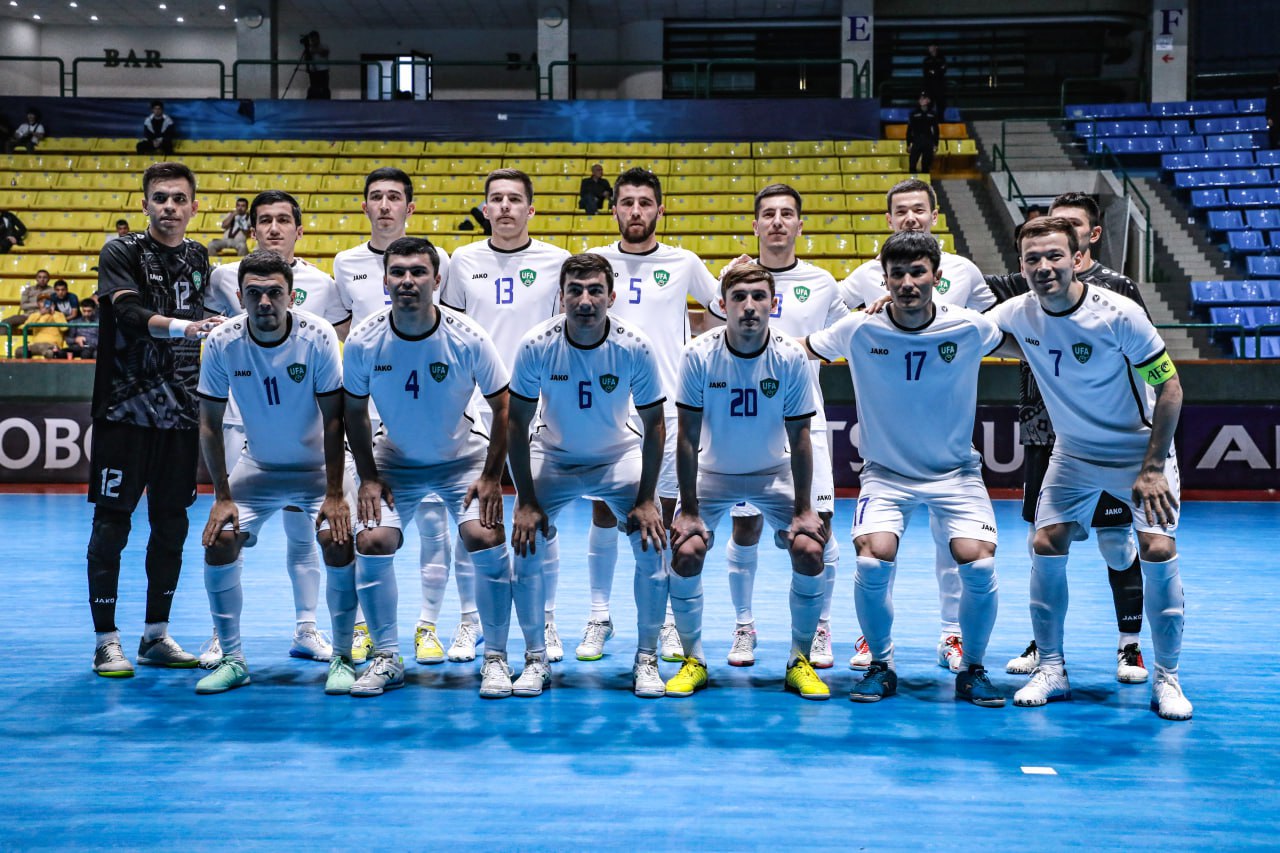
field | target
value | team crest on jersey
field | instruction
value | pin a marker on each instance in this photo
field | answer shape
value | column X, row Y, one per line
column 1081, row 352
column 196, row 280
column 768, row 387
column 608, row 382
column 299, row 296
column 661, row 277
column 297, row 372
column 942, row 286
column 527, row 277
column 947, row 349
column 801, row 292
column 439, row 370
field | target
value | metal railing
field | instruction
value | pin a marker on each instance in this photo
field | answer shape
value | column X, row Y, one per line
column 160, row 62
column 384, row 73
column 1240, row 334
column 27, row 326
column 703, row 69
column 1131, row 191
column 1012, row 190
column 62, row 68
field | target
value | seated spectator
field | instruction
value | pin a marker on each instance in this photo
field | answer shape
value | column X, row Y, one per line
column 46, row 340
column 235, row 230
column 28, row 135
column 29, row 299
column 12, row 231
column 82, row 341
column 64, row 301
column 595, row 191
column 122, row 228
column 158, row 131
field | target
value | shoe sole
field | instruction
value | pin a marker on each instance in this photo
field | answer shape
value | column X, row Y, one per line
column 672, row 658
column 122, row 673
column 208, row 692
column 1018, row 669
column 366, row 694
column 751, row 662
column 1133, row 679
column 555, row 658
column 333, row 691
column 648, row 694
column 826, row 664
column 682, row 695
column 429, row 661
column 590, row 657
column 867, row 698
column 170, row 665
column 524, row 693
column 505, row 695
column 857, row 666
column 817, row 697
column 457, row 659
column 301, row 655
column 1155, row 706
column 1055, row 698
column 981, row 703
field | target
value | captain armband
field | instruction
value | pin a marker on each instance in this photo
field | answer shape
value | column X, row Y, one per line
column 1159, row 371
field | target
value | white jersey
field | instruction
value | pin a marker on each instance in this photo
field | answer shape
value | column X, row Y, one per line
column 960, row 283
column 506, row 292
column 1084, row 362
column 745, row 400
column 358, row 273
column 276, row 386
column 586, row 392
column 653, row 293
column 917, row 389
column 422, row 386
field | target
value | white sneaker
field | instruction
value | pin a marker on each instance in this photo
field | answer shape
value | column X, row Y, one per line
column 536, row 677
column 310, row 644
column 555, row 648
column 211, row 653
column 385, row 673
column 861, row 654
column 645, row 679
column 1046, row 685
column 820, row 656
column 669, row 645
column 1129, row 668
column 1166, row 697
column 1024, row 663
column 495, row 677
column 594, row 636
column 951, row 653
column 743, row 651
column 465, row 640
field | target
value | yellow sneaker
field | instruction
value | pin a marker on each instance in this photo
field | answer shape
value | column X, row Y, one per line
column 691, row 678
column 803, row 680
column 361, row 643
column 426, row 645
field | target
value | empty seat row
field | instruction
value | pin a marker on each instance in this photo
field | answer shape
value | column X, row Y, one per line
column 1162, row 109
column 1253, row 242
column 1263, row 266
column 1174, row 144
column 1249, row 197
column 1238, row 220
column 1171, row 127
column 1207, row 294
column 1253, row 346
column 1248, row 317
column 1223, row 178
column 1219, row 160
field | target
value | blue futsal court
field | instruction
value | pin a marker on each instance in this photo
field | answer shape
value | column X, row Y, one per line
column 145, row 763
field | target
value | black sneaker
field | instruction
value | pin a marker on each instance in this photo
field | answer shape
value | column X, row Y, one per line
column 880, row 682
column 974, row 686
column 165, row 652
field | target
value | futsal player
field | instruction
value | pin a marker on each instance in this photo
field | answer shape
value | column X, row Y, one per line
column 746, row 399
column 915, row 366
column 420, row 365
column 285, row 370
column 1114, row 397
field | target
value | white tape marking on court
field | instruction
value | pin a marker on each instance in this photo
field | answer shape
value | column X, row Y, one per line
column 1039, row 771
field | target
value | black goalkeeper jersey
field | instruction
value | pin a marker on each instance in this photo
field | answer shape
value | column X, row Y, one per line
column 142, row 380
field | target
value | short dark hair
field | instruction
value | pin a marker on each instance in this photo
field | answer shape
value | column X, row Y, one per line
column 907, row 246
column 88, row 302
column 510, row 175
column 406, row 246
column 586, row 265
column 1044, row 225
column 241, row 199
column 390, row 173
column 910, row 185
column 159, row 104
column 777, row 189
column 264, row 262
column 61, row 281
column 123, row 222
column 267, row 197
column 638, row 176
column 742, row 273
column 1084, row 201
column 167, row 171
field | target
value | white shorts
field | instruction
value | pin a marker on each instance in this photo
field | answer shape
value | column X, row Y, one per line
column 823, row 493
column 260, row 492
column 958, row 501
column 450, row 481
column 233, row 443
column 668, row 485
column 1087, row 494
column 771, row 492
column 558, row 483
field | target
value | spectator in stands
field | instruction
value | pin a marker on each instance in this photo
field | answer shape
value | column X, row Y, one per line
column 158, row 131
column 235, row 230
column 316, row 55
column 596, row 191
column 82, row 341
column 12, row 231
column 47, row 339
column 64, row 301
column 29, row 300
column 1273, row 114
column 122, row 228
column 935, row 79
column 922, row 135
column 28, row 135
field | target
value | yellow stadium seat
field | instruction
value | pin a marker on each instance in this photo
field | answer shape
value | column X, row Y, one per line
column 728, row 167
column 342, row 183
column 295, row 183
column 335, row 201
column 548, row 185
column 34, row 179
column 351, row 166
column 68, row 143
column 854, row 147
column 557, row 240
column 393, row 148
column 115, row 144
column 827, row 223
column 869, row 244
column 462, row 184
column 868, row 223
column 579, row 243
column 583, row 224
column 57, row 241
column 945, row 241
column 889, row 146
column 555, row 203
column 105, row 163
column 865, row 203
column 464, row 149
column 685, row 166
column 553, row 223
column 14, row 199
column 941, row 224
column 460, row 204
column 823, row 184
column 828, row 203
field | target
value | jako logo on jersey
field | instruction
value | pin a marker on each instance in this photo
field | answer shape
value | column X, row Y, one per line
column 879, row 351
column 479, row 275
column 801, row 292
column 717, row 385
column 1113, row 510
column 297, row 372
column 942, row 286
column 299, row 296
column 1032, row 341
column 1081, row 352
column 527, row 277
column 947, row 349
column 382, row 368
column 439, row 370
column 559, row 377
column 155, row 277
column 608, row 382
column 360, row 277
column 244, row 373
column 988, row 528
column 768, row 387
column 661, row 277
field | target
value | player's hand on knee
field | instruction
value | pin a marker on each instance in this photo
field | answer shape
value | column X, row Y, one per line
column 1152, row 493
column 685, row 527
column 489, row 492
column 369, row 501
column 223, row 512
column 807, row 523
column 527, row 521
column 335, row 511
column 646, row 518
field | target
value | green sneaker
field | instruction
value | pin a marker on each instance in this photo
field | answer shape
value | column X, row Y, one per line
column 342, row 674
column 230, row 674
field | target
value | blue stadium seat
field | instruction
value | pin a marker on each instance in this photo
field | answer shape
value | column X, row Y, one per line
column 1246, row 293
column 1226, row 220
column 1188, row 143
column 1177, row 162
column 1207, row 199
column 1176, row 127
column 1251, row 105
column 1247, row 242
column 1266, row 315
column 1107, row 111
column 1084, row 129
column 895, row 115
column 1231, row 124
column 952, row 114
column 1247, row 346
column 1131, row 145
column 1253, row 197
column 1205, row 294
column 1264, row 219
column 1229, row 315
column 1193, row 108
column 1263, row 266
column 1267, row 158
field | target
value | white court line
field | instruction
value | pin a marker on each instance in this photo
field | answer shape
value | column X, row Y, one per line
column 1039, row 771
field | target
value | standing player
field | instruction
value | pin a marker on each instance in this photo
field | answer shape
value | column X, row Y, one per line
column 286, row 371
column 145, row 418
column 1036, row 433
column 912, row 205
column 508, row 284
column 420, row 365
column 588, row 368
column 654, row 282
column 910, row 362
column 746, row 395
column 1113, row 456
column 276, row 224
column 358, row 272
column 807, row 302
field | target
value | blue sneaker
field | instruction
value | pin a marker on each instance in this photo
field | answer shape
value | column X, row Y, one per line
column 880, row 682
column 230, row 674
column 974, row 686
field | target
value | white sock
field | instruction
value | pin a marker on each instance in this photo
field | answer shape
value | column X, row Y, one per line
column 1126, row 639
column 493, row 596
column 106, row 637
column 978, row 606
column 551, row 574
column 873, row 597
column 686, row 606
column 379, row 596
column 302, row 561
column 340, row 594
column 602, row 558
column 650, row 587
column 433, row 558
column 1162, row 595
column 742, row 560
column 528, row 593
column 950, row 588
column 1049, row 606
column 830, row 562
column 226, row 600
column 152, row 631
column 806, row 607
column 464, row 577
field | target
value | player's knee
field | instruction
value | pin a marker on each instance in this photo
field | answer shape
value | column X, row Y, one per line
column 1052, row 541
column 879, row 547
column 334, row 554
column 968, row 550
column 224, row 550
column 1115, row 544
column 110, row 533
column 806, row 556
column 1155, row 548
column 379, row 542
column 168, row 527
column 476, row 537
column 688, row 558
column 747, row 530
